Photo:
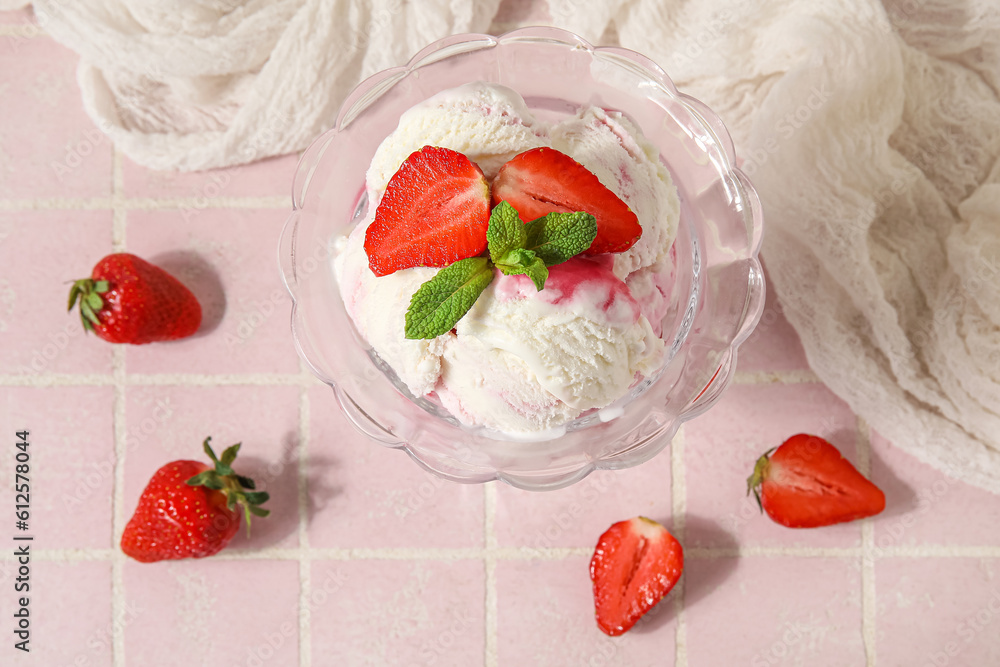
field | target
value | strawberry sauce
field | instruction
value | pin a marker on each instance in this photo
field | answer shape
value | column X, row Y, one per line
column 584, row 285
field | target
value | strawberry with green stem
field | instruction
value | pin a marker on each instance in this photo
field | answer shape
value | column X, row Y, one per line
column 191, row 510
column 128, row 300
column 807, row 483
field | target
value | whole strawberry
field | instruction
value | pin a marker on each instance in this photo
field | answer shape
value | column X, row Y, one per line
column 807, row 483
column 128, row 300
column 189, row 510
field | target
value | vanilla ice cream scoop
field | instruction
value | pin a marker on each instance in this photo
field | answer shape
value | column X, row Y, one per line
column 522, row 361
column 613, row 148
column 488, row 123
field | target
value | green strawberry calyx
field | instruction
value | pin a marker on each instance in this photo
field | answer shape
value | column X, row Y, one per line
column 239, row 490
column 513, row 247
column 88, row 292
column 760, row 472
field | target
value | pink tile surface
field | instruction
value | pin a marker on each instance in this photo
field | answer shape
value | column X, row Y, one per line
column 566, row 518
column 69, row 613
column 398, row 613
column 42, row 252
column 49, row 147
column 169, row 423
column 213, row 612
column 362, row 494
column 71, row 460
column 939, row 612
column 269, row 177
column 227, row 258
column 720, row 449
column 554, row 626
column 780, row 611
column 922, row 504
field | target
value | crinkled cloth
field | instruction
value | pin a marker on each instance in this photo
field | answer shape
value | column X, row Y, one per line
column 871, row 132
column 196, row 84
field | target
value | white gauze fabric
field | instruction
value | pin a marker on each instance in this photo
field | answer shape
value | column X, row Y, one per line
column 872, row 134
column 197, row 84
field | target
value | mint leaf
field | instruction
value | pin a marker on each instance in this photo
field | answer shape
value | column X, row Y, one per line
column 444, row 299
column 558, row 236
column 505, row 232
column 537, row 271
column 520, row 261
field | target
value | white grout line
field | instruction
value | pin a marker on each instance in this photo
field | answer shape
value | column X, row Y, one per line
column 192, row 379
column 56, row 380
column 143, row 203
column 158, row 379
column 776, row 377
column 305, row 567
column 118, row 524
column 205, row 379
column 203, row 203
column 678, row 491
column 868, row 600
column 490, row 553
column 117, row 201
column 939, row 551
column 530, row 553
column 118, row 367
column 56, row 204
column 709, row 553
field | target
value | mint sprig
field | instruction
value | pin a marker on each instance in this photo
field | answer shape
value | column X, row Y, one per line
column 442, row 301
column 514, row 248
column 558, row 236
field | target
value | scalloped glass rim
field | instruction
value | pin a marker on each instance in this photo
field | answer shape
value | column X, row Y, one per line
column 649, row 437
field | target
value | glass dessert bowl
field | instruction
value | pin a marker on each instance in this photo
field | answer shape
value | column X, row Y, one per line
column 714, row 301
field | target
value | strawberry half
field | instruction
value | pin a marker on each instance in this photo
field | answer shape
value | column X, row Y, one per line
column 544, row 180
column 635, row 564
column 434, row 212
column 806, row 483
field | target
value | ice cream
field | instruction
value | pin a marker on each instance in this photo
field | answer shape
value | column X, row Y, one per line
column 523, row 360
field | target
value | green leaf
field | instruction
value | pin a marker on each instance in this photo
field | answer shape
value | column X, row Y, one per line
column 101, row 286
column 95, row 301
column 521, row 261
column 442, row 301
column 558, row 236
column 74, row 293
column 246, row 482
column 505, row 232
column 208, row 478
column 257, row 511
column 538, row 273
column 209, row 452
column 88, row 314
column 229, row 455
column 257, row 497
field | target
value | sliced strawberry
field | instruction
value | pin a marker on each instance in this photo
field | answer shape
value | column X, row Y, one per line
column 806, row 483
column 543, row 180
column 635, row 564
column 435, row 211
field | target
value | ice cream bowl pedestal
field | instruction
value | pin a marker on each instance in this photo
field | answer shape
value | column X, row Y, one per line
column 717, row 292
